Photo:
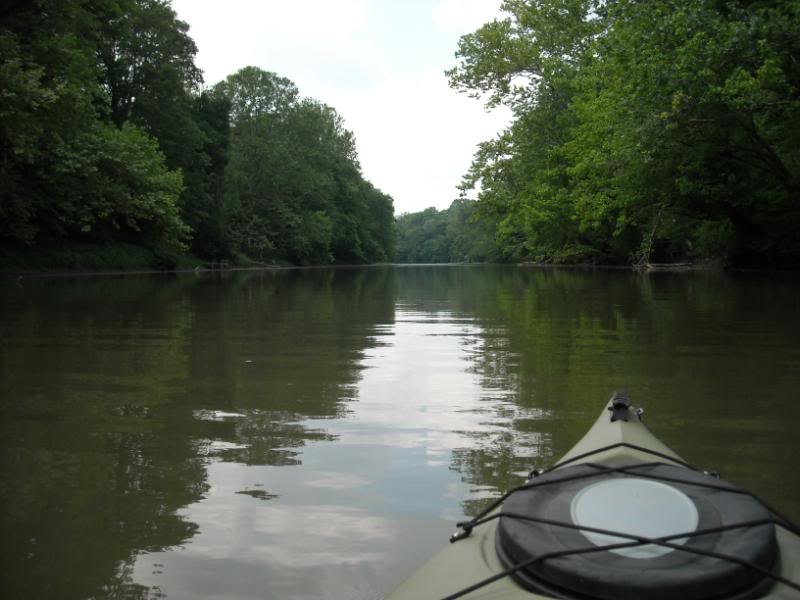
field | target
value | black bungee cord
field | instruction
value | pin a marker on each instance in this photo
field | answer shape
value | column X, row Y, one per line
column 484, row 516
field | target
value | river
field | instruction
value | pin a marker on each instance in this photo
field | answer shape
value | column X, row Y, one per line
column 316, row 433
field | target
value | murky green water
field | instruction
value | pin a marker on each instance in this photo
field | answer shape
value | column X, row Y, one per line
column 316, row 433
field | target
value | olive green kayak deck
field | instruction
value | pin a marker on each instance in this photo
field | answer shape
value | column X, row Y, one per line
column 473, row 559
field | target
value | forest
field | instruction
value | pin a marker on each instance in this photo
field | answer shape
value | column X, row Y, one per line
column 453, row 235
column 642, row 132
column 113, row 151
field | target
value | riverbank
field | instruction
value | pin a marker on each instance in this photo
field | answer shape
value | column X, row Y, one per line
column 703, row 265
column 125, row 258
column 118, row 257
column 122, row 259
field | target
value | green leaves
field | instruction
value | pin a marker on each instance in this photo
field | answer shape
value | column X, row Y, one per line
column 67, row 172
column 105, row 135
column 451, row 235
column 254, row 93
column 293, row 183
column 626, row 110
column 540, row 43
column 115, row 180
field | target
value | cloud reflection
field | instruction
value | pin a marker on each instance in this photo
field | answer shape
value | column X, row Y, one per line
column 337, row 481
column 424, row 390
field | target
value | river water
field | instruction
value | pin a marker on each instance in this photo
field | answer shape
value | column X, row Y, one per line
column 317, row 433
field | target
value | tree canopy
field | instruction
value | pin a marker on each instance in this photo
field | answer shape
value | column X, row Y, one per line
column 294, row 185
column 66, row 169
column 642, row 131
column 108, row 135
column 447, row 236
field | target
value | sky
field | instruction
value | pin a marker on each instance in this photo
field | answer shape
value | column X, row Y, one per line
column 379, row 63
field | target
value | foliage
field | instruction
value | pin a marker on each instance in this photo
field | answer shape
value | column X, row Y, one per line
column 451, row 235
column 66, row 171
column 115, row 180
column 204, row 208
column 106, row 135
column 293, row 186
column 83, row 256
column 147, row 70
column 643, row 130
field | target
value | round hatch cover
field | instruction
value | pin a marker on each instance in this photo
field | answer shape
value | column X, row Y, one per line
column 650, row 500
column 640, row 507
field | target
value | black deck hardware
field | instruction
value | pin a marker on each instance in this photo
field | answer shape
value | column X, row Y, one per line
column 700, row 480
column 620, row 403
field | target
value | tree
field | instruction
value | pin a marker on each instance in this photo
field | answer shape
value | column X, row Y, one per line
column 146, row 59
column 106, row 135
column 529, row 61
column 451, row 235
column 204, row 208
column 294, row 185
column 115, row 181
column 65, row 171
column 254, row 93
column 642, row 129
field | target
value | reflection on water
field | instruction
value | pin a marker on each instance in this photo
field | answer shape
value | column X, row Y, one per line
column 316, row 433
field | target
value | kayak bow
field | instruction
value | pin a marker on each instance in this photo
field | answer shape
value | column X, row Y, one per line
column 620, row 516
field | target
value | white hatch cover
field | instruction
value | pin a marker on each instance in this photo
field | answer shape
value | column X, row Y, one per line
column 635, row 507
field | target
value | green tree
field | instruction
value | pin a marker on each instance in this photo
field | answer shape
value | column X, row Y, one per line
column 48, row 95
column 697, row 120
column 257, row 178
column 106, row 135
column 204, row 208
column 114, row 181
column 529, row 61
column 451, row 235
column 146, row 58
column 254, row 93
column 294, row 185
column 642, row 130
column 67, row 173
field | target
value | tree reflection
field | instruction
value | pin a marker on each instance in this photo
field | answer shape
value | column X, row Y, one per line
column 695, row 349
column 105, row 386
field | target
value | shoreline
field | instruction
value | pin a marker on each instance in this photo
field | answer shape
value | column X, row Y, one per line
column 642, row 270
column 55, row 273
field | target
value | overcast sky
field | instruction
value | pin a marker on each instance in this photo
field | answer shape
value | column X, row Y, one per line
column 379, row 63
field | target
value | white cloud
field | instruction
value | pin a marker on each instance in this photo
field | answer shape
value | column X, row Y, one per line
column 271, row 34
column 416, row 137
column 318, row 21
column 463, row 16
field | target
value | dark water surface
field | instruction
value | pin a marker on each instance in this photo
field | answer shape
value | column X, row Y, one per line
column 316, row 433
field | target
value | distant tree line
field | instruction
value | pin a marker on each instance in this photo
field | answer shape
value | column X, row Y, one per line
column 663, row 130
column 450, row 235
column 108, row 135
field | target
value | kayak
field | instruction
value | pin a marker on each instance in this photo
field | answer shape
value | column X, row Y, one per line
column 620, row 516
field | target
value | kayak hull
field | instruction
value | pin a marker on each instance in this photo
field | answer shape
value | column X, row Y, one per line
column 474, row 558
